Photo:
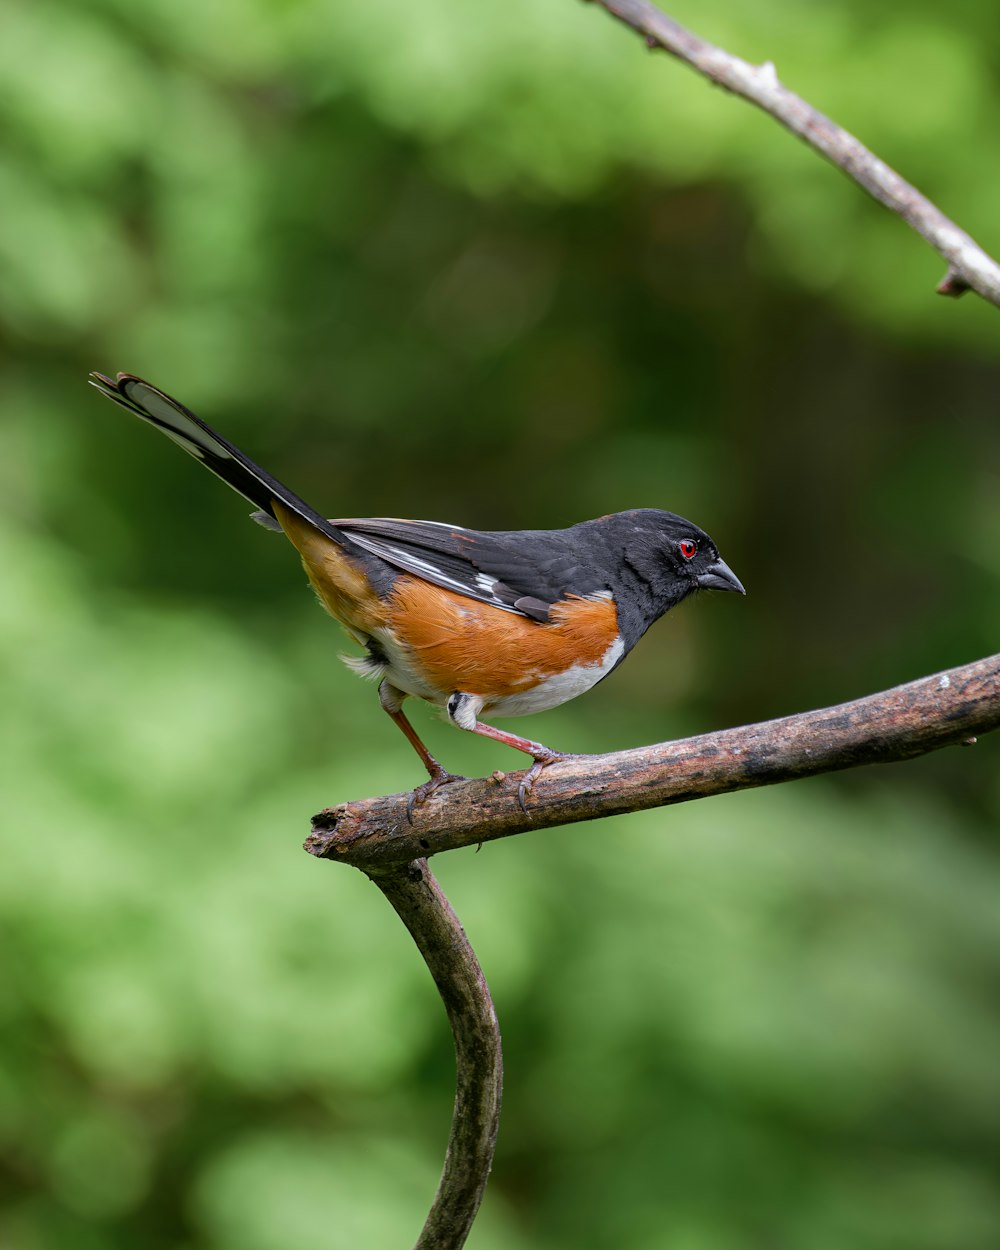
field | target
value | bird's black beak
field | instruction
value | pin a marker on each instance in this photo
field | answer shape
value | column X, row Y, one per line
column 719, row 576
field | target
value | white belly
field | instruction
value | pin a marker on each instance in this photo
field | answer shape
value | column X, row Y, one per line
column 399, row 672
column 559, row 689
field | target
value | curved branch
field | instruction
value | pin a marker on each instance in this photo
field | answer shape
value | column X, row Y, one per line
column 969, row 267
column 421, row 905
column 937, row 711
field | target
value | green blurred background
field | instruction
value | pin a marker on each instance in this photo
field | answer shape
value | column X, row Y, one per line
column 492, row 263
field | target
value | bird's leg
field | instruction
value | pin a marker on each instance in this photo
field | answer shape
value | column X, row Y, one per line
column 542, row 755
column 464, row 709
column 391, row 700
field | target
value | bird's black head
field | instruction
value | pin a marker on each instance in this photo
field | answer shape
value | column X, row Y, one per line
column 664, row 558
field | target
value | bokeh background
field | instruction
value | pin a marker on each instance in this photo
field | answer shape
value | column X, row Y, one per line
column 492, row 263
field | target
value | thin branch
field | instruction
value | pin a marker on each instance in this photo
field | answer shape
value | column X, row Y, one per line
column 898, row 724
column 440, row 938
column 969, row 267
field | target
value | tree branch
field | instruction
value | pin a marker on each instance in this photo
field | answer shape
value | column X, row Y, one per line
column 375, row 836
column 898, row 724
column 969, row 267
column 421, row 905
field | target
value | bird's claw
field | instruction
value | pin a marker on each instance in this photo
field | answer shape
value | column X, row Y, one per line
column 423, row 792
column 530, row 777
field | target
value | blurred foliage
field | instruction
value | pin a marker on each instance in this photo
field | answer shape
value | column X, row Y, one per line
column 496, row 263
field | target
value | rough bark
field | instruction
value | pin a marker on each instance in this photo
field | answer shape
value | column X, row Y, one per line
column 947, row 708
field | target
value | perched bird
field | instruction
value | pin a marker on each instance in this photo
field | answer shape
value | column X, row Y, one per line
column 498, row 623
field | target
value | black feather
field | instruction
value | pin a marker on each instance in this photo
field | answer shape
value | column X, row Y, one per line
column 216, row 453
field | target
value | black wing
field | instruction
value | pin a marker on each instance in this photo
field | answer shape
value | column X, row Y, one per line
column 522, row 571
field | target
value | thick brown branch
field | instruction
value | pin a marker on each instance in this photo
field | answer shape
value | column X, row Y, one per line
column 969, row 267
column 440, row 938
column 910, row 720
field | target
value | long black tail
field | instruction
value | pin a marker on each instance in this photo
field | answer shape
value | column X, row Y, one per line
column 214, row 452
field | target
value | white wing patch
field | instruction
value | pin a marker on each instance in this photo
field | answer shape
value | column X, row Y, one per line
column 478, row 587
column 444, row 525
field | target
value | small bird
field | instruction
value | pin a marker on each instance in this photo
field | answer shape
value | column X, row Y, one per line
column 481, row 623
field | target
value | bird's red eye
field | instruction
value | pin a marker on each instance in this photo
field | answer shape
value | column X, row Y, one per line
column 688, row 548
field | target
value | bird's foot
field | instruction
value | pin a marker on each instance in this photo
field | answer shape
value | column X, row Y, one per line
column 423, row 792
column 531, row 776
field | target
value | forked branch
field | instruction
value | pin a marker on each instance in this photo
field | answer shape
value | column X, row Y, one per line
column 969, row 267
column 375, row 835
